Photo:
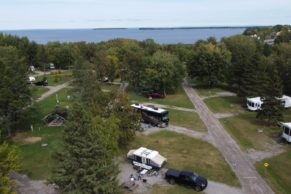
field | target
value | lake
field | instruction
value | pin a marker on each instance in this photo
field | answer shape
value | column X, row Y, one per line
column 162, row 36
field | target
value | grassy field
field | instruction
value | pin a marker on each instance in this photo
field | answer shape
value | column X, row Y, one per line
column 287, row 115
column 56, row 78
column 278, row 173
column 37, row 160
column 179, row 99
column 184, row 152
column 37, row 91
column 209, row 91
column 109, row 87
column 243, row 129
column 231, row 104
column 188, row 120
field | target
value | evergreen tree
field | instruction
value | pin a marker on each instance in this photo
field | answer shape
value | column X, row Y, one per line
column 129, row 119
column 9, row 160
column 14, row 91
column 271, row 110
column 85, row 164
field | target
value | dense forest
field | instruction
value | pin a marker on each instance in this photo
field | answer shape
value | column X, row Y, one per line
column 101, row 123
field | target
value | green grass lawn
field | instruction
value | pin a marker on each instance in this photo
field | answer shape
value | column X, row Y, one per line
column 179, row 99
column 37, row 91
column 109, row 87
column 48, row 104
column 37, row 161
column 188, row 120
column 278, row 173
column 55, row 78
column 243, row 129
column 208, row 91
column 231, row 104
column 183, row 152
column 287, row 115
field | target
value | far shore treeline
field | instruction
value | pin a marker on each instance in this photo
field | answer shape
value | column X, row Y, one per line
column 257, row 63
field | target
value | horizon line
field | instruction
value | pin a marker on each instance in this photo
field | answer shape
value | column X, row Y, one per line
column 113, row 28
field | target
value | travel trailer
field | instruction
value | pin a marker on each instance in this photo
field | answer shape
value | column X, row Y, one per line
column 146, row 158
column 286, row 134
column 286, row 101
column 254, row 104
column 153, row 115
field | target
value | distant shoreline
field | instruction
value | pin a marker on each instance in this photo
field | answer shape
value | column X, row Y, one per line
column 191, row 28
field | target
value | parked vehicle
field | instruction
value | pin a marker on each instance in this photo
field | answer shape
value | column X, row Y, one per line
column 286, row 134
column 41, row 83
column 153, row 115
column 146, row 158
column 254, row 104
column 155, row 95
column 186, row 178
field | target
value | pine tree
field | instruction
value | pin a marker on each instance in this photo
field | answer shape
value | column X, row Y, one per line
column 128, row 119
column 85, row 165
column 271, row 110
column 9, row 160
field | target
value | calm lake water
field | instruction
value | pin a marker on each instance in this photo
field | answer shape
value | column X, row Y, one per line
column 165, row 36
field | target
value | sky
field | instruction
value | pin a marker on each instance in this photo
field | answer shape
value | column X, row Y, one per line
column 71, row 14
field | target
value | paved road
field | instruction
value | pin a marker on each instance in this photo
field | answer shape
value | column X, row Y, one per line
column 250, row 180
column 53, row 89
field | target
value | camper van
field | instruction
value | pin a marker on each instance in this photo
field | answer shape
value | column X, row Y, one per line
column 286, row 134
column 146, row 158
column 254, row 104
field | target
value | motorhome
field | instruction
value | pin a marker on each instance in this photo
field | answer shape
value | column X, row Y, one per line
column 153, row 115
column 254, row 104
column 146, row 158
column 286, row 134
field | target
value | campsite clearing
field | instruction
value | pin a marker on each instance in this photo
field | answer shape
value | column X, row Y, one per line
column 277, row 174
column 228, row 104
column 179, row 99
column 192, row 154
column 189, row 120
column 56, row 77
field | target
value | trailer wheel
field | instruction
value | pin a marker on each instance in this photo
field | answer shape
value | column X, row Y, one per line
column 172, row 181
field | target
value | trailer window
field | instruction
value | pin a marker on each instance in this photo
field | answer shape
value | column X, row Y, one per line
column 286, row 130
column 138, row 159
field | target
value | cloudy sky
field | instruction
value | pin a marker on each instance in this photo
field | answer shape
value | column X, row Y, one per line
column 44, row 14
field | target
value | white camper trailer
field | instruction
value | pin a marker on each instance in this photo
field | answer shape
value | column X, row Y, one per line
column 286, row 134
column 146, row 158
column 31, row 79
column 254, row 104
column 286, row 101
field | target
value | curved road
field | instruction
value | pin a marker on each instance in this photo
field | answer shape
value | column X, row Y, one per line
column 251, row 181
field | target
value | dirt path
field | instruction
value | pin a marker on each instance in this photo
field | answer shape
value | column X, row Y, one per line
column 26, row 186
column 52, row 90
column 225, row 115
column 220, row 94
column 191, row 133
column 250, row 180
column 273, row 150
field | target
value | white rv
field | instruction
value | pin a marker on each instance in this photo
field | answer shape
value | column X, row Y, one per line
column 146, row 158
column 286, row 101
column 286, row 134
column 31, row 79
column 254, row 104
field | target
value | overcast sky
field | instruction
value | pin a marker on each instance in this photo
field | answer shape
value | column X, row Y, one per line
column 44, row 14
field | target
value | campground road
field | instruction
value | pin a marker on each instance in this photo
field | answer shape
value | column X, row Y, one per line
column 251, row 181
column 52, row 90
